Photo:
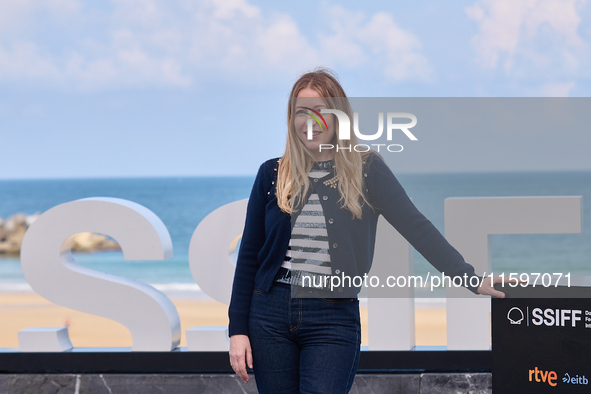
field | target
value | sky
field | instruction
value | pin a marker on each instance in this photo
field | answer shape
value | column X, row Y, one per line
column 128, row 88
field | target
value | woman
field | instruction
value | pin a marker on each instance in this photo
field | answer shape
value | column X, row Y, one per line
column 312, row 214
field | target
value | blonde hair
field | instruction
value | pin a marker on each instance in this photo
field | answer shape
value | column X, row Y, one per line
column 296, row 163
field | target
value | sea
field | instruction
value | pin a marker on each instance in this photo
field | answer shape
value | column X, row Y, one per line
column 183, row 202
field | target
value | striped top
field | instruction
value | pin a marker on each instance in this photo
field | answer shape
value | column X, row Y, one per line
column 307, row 261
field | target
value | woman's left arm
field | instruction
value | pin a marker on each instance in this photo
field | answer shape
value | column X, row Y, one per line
column 390, row 199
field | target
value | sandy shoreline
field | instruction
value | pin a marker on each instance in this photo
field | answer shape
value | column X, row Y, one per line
column 23, row 310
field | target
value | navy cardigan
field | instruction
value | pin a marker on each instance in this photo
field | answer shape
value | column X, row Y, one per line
column 267, row 232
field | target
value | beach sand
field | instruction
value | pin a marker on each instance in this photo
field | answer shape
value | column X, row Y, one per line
column 24, row 310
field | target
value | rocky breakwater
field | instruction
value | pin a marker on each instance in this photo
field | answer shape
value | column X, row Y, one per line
column 12, row 231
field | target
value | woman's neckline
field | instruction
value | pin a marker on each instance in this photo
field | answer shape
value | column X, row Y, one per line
column 323, row 165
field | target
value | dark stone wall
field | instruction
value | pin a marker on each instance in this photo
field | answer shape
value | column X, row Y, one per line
column 428, row 383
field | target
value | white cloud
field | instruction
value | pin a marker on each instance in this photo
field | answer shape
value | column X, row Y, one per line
column 25, row 59
column 283, row 44
column 530, row 37
column 155, row 43
column 17, row 14
column 400, row 47
column 556, row 89
column 375, row 42
column 227, row 9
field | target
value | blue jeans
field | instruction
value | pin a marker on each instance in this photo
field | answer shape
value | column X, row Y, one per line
column 303, row 345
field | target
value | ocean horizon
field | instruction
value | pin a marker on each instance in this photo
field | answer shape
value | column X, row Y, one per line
column 183, row 202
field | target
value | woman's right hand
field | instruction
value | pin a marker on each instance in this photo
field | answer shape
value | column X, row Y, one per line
column 240, row 355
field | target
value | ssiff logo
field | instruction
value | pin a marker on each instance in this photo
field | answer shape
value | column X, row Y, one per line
column 515, row 315
column 548, row 317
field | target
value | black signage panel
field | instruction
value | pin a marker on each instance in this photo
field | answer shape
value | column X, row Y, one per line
column 542, row 344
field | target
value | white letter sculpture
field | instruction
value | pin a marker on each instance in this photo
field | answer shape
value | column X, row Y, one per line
column 49, row 268
column 469, row 222
column 212, row 244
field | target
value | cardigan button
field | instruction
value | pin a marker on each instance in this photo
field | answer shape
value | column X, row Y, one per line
column 365, row 174
column 335, row 245
column 273, row 182
column 315, row 179
column 330, row 221
column 325, row 198
column 337, row 272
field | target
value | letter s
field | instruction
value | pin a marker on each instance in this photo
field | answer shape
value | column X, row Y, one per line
column 212, row 244
column 51, row 271
column 537, row 316
column 549, row 313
